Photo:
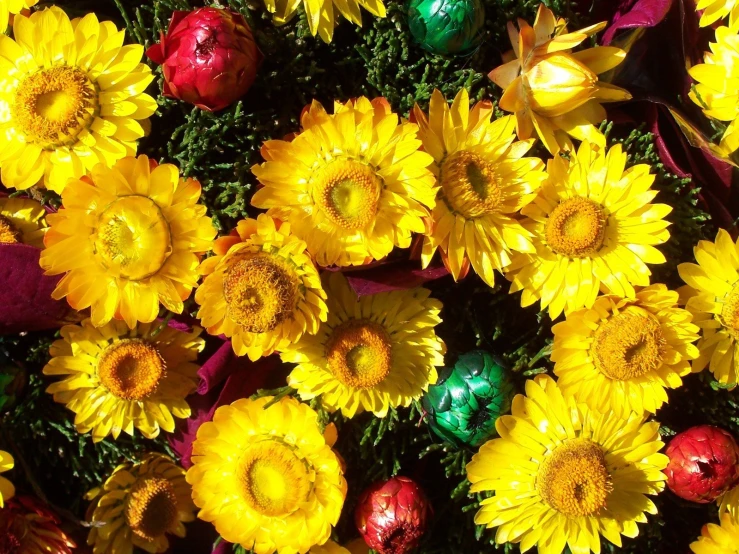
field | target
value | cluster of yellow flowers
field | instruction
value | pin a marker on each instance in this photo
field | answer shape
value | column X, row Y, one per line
column 575, row 459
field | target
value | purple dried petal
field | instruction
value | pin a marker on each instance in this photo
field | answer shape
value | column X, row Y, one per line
column 385, row 277
column 630, row 15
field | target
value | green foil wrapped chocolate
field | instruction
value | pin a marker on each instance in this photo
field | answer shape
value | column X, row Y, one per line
column 467, row 399
column 446, row 26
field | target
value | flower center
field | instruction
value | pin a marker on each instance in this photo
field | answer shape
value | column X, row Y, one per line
column 729, row 316
column 52, row 106
column 274, row 481
column 131, row 369
column 359, row 353
column 261, row 292
column 576, row 228
column 347, row 192
column 574, row 478
column 132, row 238
column 470, row 184
column 629, row 345
column 8, row 232
column 152, row 508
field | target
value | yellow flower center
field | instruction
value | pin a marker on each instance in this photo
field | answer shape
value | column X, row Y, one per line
column 52, row 106
column 131, row 369
column 152, row 508
column 576, row 228
column 470, row 184
column 132, row 238
column 629, row 344
column 8, row 232
column 274, row 481
column 261, row 292
column 347, row 192
column 574, row 479
column 729, row 316
column 359, row 353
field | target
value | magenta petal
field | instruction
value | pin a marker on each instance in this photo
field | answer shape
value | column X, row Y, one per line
column 223, row 547
column 643, row 13
column 385, row 277
column 25, row 292
column 240, row 377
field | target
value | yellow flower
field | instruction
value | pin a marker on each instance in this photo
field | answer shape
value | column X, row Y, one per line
column 713, row 10
column 594, row 227
column 352, row 185
column 621, row 354
column 12, row 7
column 72, row 97
column 323, row 15
column 118, row 379
column 484, row 180
column 374, row 352
column 261, row 288
column 552, row 90
column 329, row 547
column 718, row 539
column 22, row 220
column 128, row 238
column 265, row 477
column 563, row 474
column 7, row 490
column 729, row 503
column 713, row 298
column 138, row 506
column 717, row 87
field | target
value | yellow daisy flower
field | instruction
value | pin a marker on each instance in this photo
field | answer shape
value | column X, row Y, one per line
column 374, row 352
column 118, row 379
column 484, row 180
column 261, row 288
column 72, row 97
column 352, row 185
column 729, row 503
column 553, row 91
column 621, row 354
column 712, row 296
column 594, row 227
column 138, row 506
column 718, row 539
column 128, row 238
column 717, row 90
column 265, row 477
column 713, row 10
column 22, row 220
column 12, row 7
column 323, row 15
column 564, row 475
column 7, row 490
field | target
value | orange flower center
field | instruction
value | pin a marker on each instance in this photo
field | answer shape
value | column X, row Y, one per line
column 576, row 228
column 574, row 479
column 274, row 480
column 131, row 369
column 470, row 185
column 8, row 232
column 152, row 508
column 132, row 238
column 729, row 316
column 629, row 344
column 348, row 193
column 359, row 353
column 54, row 105
column 261, row 292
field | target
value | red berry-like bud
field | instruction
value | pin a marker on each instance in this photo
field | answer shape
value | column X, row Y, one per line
column 704, row 463
column 208, row 57
column 392, row 515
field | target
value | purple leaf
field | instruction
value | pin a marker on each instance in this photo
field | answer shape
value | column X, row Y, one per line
column 240, row 378
column 25, row 293
column 631, row 15
column 385, row 277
